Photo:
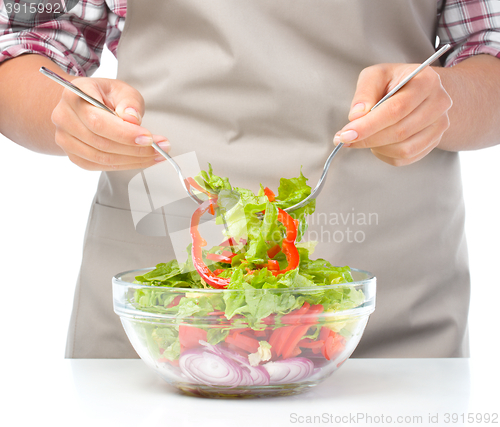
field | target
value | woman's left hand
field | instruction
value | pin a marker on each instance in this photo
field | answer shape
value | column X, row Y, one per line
column 406, row 127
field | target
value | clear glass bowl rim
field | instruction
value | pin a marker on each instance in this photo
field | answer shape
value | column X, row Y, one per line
column 117, row 280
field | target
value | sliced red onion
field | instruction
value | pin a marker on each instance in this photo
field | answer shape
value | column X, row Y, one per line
column 214, row 365
column 201, row 366
column 289, row 370
column 258, row 375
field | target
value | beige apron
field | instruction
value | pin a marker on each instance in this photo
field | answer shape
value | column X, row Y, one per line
column 258, row 89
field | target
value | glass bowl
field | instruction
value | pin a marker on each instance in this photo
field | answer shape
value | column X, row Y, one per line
column 255, row 353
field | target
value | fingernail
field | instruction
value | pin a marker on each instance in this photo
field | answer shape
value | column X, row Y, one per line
column 348, row 136
column 164, row 145
column 336, row 139
column 132, row 112
column 144, row 140
column 357, row 108
column 159, row 158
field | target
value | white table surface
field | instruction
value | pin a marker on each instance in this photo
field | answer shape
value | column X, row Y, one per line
column 96, row 392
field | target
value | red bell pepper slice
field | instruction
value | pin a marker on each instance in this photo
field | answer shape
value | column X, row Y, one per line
column 293, row 318
column 229, row 242
column 175, row 301
column 310, row 315
column 270, row 195
column 288, row 248
column 191, row 182
column 275, row 250
column 323, row 334
column 280, row 335
column 283, row 336
column 296, row 335
column 221, row 257
column 242, row 341
column 273, row 265
column 190, row 336
column 309, row 343
column 334, row 344
column 197, row 254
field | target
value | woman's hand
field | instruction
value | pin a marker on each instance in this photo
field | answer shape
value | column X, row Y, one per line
column 95, row 139
column 406, row 127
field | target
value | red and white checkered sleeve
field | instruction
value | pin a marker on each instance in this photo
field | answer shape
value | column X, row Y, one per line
column 472, row 27
column 73, row 39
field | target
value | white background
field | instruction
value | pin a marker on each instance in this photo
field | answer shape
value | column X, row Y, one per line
column 44, row 207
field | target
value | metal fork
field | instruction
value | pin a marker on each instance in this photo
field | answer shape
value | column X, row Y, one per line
column 321, row 182
column 68, row 85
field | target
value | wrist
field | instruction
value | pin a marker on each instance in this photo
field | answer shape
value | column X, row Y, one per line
column 27, row 99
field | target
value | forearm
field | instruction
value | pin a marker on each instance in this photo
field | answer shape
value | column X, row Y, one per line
column 27, row 99
column 474, row 87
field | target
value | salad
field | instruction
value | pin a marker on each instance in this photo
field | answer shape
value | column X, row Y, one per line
column 273, row 320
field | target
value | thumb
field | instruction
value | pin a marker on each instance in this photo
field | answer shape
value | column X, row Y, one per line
column 127, row 102
column 371, row 87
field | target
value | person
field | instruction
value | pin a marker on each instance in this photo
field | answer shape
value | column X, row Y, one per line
column 269, row 84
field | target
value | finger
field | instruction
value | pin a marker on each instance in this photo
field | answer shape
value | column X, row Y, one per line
column 403, row 162
column 71, row 124
column 111, row 127
column 76, row 147
column 419, row 143
column 370, row 88
column 125, row 100
column 394, row 109
column 387, row 114
column 101, row 122
column 90, row 166
column 427, row 113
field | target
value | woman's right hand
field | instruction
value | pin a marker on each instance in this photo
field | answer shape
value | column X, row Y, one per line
column 94, row 139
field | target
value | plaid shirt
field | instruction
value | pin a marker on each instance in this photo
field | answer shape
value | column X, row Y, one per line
column 74, row 38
